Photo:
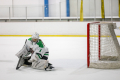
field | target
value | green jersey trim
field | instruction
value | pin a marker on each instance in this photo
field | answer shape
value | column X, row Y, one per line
column 39, row 43
column 39, row 56
column 46, row 54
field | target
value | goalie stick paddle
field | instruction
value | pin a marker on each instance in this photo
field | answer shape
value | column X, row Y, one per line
column 18, row 65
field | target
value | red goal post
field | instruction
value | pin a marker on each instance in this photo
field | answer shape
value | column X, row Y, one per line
column 88, row 46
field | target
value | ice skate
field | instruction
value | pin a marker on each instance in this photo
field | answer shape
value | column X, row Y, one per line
column 49, row 68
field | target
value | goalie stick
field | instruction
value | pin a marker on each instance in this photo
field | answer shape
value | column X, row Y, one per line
column 21, row 60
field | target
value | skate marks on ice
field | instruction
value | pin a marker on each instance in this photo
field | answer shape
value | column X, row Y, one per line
column 84, row 70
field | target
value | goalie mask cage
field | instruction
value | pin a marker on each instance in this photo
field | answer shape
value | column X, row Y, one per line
column 103, row 50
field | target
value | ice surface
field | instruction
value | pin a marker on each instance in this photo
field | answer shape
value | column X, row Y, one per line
column 67, row 54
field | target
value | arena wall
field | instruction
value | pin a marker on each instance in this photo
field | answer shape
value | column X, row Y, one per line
column 46, row 28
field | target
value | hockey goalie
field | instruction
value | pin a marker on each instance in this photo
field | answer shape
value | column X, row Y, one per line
column 35, row 54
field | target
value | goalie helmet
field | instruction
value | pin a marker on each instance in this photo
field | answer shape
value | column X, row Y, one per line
column 35, row 36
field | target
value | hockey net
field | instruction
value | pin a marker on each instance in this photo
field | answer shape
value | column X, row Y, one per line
column 103, row 50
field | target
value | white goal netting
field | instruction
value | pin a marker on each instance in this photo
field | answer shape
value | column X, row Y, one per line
column 104, row 49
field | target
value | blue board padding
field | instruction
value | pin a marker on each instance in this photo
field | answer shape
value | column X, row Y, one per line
column 46, row 8
column 68, row 8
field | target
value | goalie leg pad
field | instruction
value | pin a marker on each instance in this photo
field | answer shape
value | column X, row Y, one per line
column 23, row 52
column 40, row 64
